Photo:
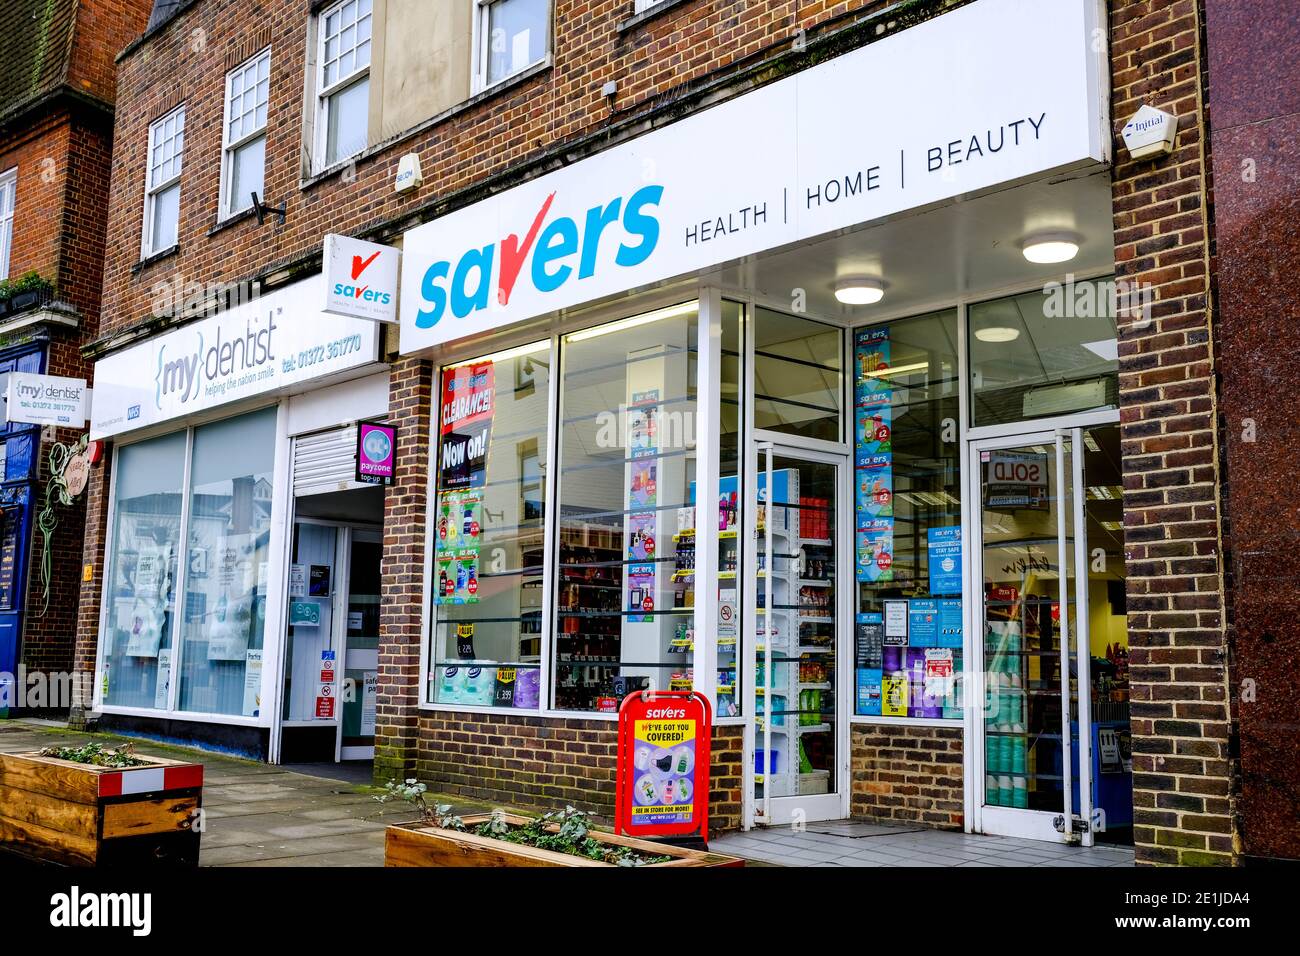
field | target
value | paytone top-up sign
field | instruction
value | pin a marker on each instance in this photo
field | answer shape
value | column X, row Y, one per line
column 988, row 94
column 266, row 345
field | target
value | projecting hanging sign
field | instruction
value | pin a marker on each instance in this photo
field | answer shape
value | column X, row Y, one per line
column 360, row 279
column 47, row 400
column 983, row 95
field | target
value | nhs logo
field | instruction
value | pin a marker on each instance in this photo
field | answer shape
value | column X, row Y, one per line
column 133, row 413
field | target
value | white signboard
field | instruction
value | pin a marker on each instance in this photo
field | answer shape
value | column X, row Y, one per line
column 269, row 344
column 361, row 279
column 47, row 399
column 987, row 94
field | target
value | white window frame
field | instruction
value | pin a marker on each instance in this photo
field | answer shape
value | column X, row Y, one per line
column 9, row 186
column 482, row 37
column 228, row 146
column 643, row 5
column 323, row 92
column 152, row 189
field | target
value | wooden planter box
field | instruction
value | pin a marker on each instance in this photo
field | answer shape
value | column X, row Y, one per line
column 414, row 844
column 81, row 815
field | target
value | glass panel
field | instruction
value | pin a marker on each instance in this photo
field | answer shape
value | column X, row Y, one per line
column 518, row 31
column 1046, row 352
column 731, row 505
column 225, row 592
column 311, row 576
column 1022, row 625
column 1112, row 754
column 349, row 111
column 166, row 213
column 247, row 171
column 361, row 667
column 797, row 372
column 795, row 673
column 489, row 530
column 625, row 608
column 142, row 570
column 907, row 503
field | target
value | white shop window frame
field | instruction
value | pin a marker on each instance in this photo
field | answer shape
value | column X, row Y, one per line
column 8, row 202
column 277, row 576
column 323, row 93
column 152, row 190
column 229, row 146
column 482, row 37
column 708, row 390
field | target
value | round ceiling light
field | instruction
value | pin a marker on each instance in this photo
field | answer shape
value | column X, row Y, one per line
column 859, row 291
column 1050, row 248
column 997, row 333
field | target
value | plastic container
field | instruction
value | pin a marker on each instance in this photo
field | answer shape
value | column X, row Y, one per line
column 775, row 762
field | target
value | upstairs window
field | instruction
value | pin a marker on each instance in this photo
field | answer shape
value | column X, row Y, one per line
column 8, row 189
column 243, row 163
column 343, row 81
column 162, row 195
column 512, row 35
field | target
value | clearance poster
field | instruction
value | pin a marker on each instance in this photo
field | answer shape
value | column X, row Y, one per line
column 465, row 428
column 873, row 476
column 663, row 755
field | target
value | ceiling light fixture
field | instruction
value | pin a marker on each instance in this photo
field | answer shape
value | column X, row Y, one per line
column 859, row 291
column 1050, row 248
column 995, row 334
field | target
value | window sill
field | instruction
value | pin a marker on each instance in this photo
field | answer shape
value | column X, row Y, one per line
column 514, row 79
column 155, row 258
column 232, row 220
column 636, row 20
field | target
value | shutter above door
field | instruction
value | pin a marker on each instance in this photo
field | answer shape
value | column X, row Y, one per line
column 325, row 462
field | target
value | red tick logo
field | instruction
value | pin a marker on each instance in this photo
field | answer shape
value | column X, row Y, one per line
column 513, row 256
column 359, row 265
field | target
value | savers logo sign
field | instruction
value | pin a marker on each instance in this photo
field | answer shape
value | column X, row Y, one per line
column 554, row 250
column 361, row 279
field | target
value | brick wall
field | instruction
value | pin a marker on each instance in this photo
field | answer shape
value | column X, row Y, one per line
column 538, row 763
column 1178, row 655
column 903, row 774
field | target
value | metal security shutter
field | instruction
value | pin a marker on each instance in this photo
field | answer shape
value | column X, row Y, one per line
column 325, row 461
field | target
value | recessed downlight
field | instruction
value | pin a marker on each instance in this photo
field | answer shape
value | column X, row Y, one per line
column 1050, row 248
column 859, row 291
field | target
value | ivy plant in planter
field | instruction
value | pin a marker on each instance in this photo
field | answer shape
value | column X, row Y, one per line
column 560, row 838
column 22, row 293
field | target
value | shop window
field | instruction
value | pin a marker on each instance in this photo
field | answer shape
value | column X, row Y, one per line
column 488, row 530
column 512, row 36
column 227, row 540
column 243, row 167
column 625, row 590
column 162, row 203
column 343, row 81
column 140, row 597
column 907, row 493
column 8, row 192
column 1052, row 351
column 797, row 376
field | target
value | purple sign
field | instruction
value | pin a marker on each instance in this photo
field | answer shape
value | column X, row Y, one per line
column 376, row 453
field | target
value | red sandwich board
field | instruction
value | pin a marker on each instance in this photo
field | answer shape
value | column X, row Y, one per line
column 664, row 740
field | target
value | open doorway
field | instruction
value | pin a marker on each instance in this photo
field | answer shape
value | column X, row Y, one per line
column 331, row 661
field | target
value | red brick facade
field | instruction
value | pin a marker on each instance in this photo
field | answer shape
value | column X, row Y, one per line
column 666, row 66
column 57, row 134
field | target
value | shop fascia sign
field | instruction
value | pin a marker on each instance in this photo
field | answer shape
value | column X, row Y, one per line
column 47, row 400
column 270, row 344
column 361, row 279
column 990, row 93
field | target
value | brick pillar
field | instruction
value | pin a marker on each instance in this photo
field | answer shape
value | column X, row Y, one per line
column 405, row 516
column 1178, row 655
column 96, row 538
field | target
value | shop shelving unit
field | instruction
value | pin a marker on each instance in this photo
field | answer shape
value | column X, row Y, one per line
column 801, row 635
